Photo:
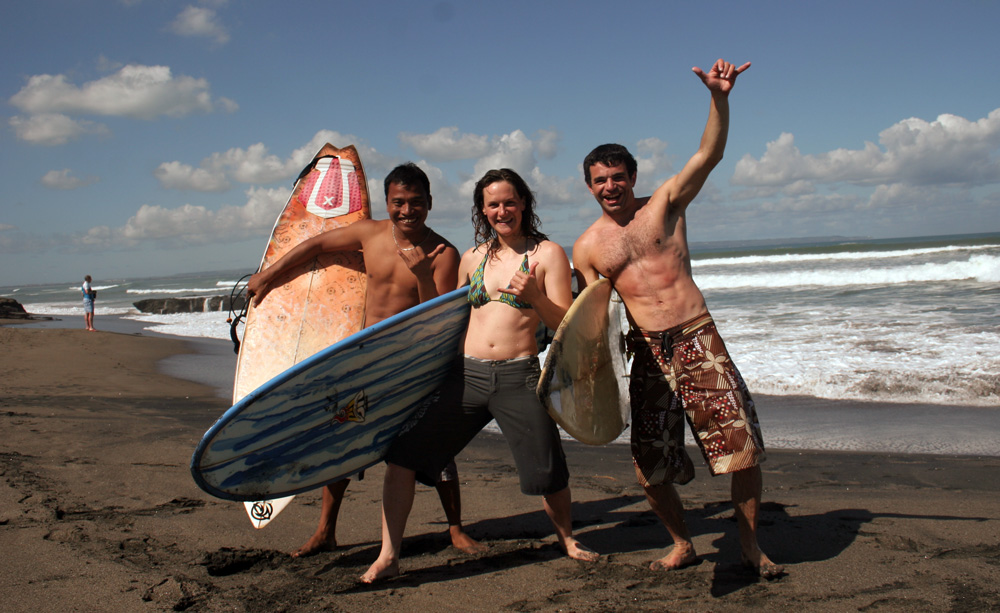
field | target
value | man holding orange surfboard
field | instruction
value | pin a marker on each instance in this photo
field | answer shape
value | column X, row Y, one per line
column 406, row 263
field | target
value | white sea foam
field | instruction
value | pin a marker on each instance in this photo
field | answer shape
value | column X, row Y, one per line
column 793, row 258
column 73, row 308
column 201, row 325
column 76, row 288
column 841, row 352
column 982, row 268
column 172, row 290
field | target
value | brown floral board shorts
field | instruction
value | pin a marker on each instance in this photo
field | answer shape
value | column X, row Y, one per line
column 686, row 371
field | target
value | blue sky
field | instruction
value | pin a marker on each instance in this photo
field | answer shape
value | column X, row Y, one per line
column 145, row 138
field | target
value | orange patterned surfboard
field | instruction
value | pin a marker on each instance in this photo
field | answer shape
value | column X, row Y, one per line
column 322, row 301
column 317, row 303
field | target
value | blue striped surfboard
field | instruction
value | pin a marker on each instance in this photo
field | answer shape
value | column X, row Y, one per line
column 334, row 413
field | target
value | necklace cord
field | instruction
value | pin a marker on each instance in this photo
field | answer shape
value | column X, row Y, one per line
column 392, row 230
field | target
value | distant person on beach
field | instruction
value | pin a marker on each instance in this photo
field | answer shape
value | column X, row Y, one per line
column 89, row 297
column 681, row 366
column 517, row 278
column 407, row 263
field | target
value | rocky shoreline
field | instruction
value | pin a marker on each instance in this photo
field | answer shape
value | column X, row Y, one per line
column 13, row 310
column 190, row 304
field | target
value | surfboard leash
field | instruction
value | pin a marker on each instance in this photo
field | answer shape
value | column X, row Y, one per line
column 237, row 294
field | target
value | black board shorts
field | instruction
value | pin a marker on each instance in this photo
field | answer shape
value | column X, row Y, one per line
column 474, row 393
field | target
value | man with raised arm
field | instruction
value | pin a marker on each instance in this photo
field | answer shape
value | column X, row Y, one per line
column 407, row 263
column 681, row 366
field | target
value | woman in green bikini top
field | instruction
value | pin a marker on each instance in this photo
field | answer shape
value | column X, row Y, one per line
column 517, row 277
column 478, row 296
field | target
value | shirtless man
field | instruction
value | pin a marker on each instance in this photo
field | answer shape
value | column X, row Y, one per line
column 681, row 365
column 407, row 263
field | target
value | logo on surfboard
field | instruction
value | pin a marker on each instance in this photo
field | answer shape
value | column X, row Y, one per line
column 262, row 510
column 354, row 410
column 331, row 189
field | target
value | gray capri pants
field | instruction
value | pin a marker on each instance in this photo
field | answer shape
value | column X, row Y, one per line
column 475, row 392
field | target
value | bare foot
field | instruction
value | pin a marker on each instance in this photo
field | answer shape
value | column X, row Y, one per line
column 465, row 543
column 764, row 567
column 578, row 551
column 381, row 570
column 317, row 544
column 679, row 557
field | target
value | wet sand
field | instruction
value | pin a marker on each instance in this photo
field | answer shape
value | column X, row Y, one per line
column 98, row 512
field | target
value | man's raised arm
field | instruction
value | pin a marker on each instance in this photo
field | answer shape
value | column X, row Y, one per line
column 681, row 189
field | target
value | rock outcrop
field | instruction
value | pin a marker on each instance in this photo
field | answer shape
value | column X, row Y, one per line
column 12, row 309
column 192, row 304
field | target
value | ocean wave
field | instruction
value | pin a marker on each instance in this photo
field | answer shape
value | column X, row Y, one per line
column 76, row 288
column 849, row 256
column 55, row 309
column 980, row 268
column 162, row 290
column 953, row 386
column 197, row 325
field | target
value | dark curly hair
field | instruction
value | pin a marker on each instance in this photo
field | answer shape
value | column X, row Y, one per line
column 530, row 224
column 609, row 155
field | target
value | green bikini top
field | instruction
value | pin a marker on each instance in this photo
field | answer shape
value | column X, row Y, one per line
column 478, row 296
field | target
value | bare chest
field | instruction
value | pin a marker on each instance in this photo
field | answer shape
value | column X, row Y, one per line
column 639, row 244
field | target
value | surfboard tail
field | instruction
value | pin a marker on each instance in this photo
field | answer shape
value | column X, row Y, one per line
column 261, row 512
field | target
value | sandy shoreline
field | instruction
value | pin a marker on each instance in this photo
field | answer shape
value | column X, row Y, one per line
column 98, row 512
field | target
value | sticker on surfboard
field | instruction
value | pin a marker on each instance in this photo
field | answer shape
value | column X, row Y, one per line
column 333, row 189
column 261, row 512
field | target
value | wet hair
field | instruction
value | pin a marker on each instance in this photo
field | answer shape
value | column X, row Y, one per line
column 609, row 155
column 409, row 175
column 530, row 224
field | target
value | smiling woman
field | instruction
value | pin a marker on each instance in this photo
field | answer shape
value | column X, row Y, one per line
column 518, row 278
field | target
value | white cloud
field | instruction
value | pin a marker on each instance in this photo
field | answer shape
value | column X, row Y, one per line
column 201, row 22
column 806, row 215
column 106, row 64
column 253, row 165
column 517, row 151
column 175, row 175
column 547, row 143
column 192, row 225
column 653, row 165
column 948, row 151
column 53, row 128
column 514, row 150
column 136, row 91
column 447, row 144
column 63, row 179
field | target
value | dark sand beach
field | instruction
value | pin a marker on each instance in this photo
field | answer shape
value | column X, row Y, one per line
column 98, row 512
